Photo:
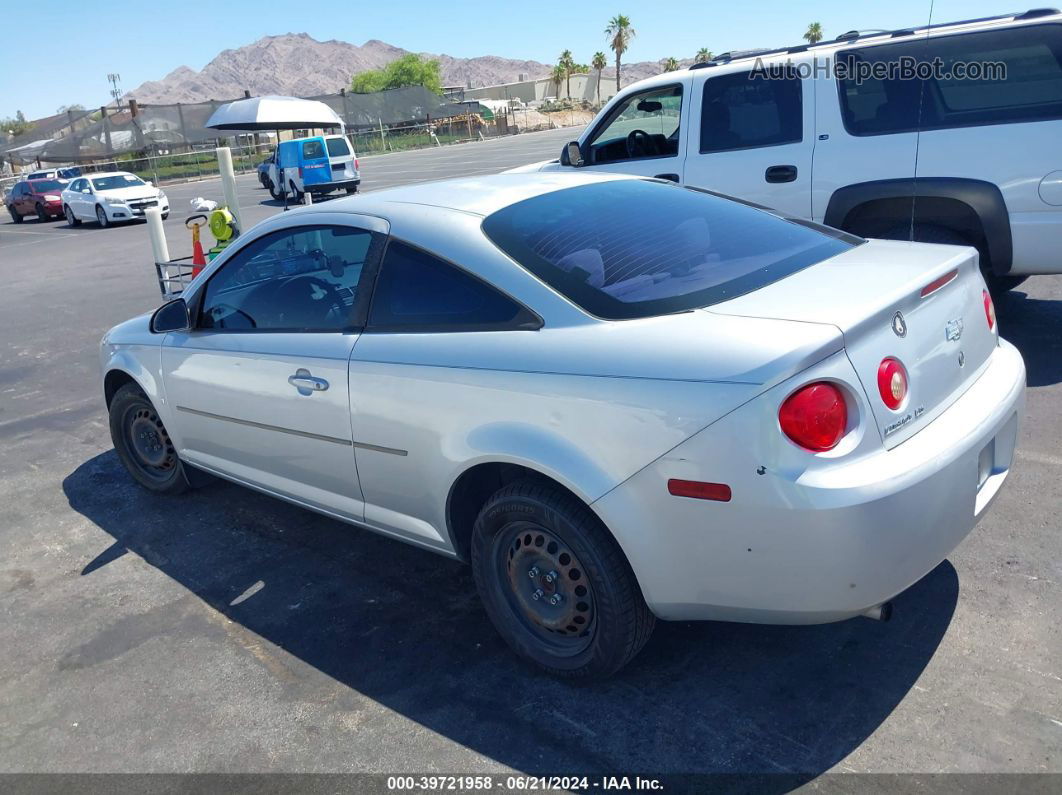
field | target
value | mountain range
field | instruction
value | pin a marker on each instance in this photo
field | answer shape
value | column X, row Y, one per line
column 295, row 64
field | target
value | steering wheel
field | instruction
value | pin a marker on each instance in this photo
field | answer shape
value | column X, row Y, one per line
column 639, row 144
column 331, row 295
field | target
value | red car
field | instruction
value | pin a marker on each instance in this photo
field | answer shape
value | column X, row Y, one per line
column 38, row 197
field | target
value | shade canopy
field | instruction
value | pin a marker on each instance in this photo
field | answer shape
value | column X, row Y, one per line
column 273, row 113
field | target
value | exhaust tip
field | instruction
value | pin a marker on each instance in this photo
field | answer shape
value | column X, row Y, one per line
column 882, row 612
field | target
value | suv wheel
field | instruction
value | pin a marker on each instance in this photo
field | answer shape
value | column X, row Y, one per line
column 555, row 584
column 142, row 444
column 71, row 219
column 101, row 217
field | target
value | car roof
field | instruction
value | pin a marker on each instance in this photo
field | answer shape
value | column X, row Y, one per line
column 480, row 195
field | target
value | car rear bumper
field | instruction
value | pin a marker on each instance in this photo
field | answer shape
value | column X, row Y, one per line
column 328, row 187
column 809, row 545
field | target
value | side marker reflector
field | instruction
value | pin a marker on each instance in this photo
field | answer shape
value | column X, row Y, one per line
column 720, row 492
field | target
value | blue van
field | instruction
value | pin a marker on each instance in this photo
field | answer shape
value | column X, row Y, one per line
column 317, row 165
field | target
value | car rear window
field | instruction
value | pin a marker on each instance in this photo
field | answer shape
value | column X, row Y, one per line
column 337, row 147
column 634, row 248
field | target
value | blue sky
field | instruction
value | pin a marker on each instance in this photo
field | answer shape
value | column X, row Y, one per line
column 142, row 42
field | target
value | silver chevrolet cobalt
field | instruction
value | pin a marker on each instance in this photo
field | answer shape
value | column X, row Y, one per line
column 616, row 398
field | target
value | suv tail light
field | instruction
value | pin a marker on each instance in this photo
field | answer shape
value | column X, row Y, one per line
column 814, row 416
column 892, row 382
column 356, row 167
column 990, row 310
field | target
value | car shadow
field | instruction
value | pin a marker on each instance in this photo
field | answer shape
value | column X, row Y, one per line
column 1034, row 326
column 403, row 627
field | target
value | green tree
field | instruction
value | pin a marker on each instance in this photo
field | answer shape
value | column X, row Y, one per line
column 567, row 63
column 65, row 108
column 599, row 62
column 671, row 65
column 704, row 55
column 16, row 125
column 558, row 76
column 620, row 33
column 409, row 70
column 813, row 35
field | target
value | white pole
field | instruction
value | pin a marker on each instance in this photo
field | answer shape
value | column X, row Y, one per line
column 157, row 234
column 228, row 184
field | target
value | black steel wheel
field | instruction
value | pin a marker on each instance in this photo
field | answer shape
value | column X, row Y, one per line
column 556, row 584
column 142, row 443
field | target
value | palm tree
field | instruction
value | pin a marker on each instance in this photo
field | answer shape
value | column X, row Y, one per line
column 704, row 55
column 567, row 62
column 620, row 33
column 557, row 77
column 671, row 65
column 814, row 33
column 599, row 62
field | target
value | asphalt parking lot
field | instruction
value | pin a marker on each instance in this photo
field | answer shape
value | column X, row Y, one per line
column 228, row 631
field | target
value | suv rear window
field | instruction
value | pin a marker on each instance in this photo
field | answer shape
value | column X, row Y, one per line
column 634, row 248
column 337, row 147
column 1031, row 89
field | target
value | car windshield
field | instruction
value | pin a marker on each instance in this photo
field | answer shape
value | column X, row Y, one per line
column 116, row 182
column 337, row 147
column 42, row 185
column 635, row 248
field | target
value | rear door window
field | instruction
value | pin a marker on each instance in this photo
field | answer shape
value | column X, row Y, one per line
column 337, row 147
column 747, row 110
column 1018, row 78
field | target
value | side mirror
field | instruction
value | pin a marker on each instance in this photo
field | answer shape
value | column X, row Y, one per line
column 149, row 183
column 172, row 316
column 572, row 154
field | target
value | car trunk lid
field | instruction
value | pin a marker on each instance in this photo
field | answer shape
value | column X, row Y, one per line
column 921, row 304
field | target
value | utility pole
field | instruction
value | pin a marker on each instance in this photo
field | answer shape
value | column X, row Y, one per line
column 114, row 78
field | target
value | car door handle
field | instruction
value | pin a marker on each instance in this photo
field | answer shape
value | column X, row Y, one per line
column 306, row 383
column 780, row 173
column 671, row 177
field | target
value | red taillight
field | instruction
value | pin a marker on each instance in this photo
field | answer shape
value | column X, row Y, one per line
column 356, row 166
column 814, row 417
column 892, row 382
column 990, row 310
column 698, row 490
column 300, row 172
column 936, row 284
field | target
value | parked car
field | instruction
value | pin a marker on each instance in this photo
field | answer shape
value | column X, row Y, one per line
column 110, row 198
column 318, row 165
column 64, row 172
column 40, row 197
column 964, row 161
column 267, row 170
column 764, row 420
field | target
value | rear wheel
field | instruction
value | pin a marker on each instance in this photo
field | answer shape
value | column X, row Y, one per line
column 275, row 192
column 142, row 443
column 353, row 189
column 71, row 219
column 14, row 215
column 297, row 196
column 555, row 584
column 101, row 217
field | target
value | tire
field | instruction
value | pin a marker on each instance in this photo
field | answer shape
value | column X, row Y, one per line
column 931, row 233
column 297, row 196
column 15, row 217
column 42, row 214
column 529, row 531
column 101, row 217
column 71, row 219
column 165, row 216
column 142, row 444
column 352, row 190
column 278, row 195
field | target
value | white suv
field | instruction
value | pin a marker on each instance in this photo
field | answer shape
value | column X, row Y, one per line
column 948, row 156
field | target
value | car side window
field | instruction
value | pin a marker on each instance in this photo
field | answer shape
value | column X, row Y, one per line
column 749, row 110
column 301, row 279
column 643, row 125
column 311, row 150
column 418, row 292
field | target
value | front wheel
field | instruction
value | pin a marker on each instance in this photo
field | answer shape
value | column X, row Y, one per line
column 555, row 583
column 101, row 217
column 71, row 219
column 42, row 214
column 275, row 192
column 142, row 444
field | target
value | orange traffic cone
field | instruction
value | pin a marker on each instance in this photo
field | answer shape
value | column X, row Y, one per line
column 198, row 258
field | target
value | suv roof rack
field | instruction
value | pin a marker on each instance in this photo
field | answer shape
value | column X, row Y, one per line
column 855, row 35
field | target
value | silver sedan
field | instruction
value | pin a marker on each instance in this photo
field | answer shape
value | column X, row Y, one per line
column 618, row 399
